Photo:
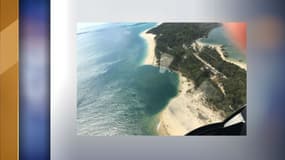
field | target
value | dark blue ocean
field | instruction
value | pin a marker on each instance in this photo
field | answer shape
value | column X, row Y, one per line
column 116, row 94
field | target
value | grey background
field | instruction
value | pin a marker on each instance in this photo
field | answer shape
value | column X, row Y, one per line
column 259, row 144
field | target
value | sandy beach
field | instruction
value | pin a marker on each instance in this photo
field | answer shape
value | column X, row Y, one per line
column 240, row 64
column 150, row 57
column 187, row 111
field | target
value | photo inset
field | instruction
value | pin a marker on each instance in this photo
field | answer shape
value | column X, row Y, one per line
column 161, row 79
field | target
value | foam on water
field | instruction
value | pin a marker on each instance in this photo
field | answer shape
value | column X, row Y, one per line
column 116, row 95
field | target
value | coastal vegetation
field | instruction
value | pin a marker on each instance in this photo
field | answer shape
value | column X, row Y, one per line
column 170, row 37
column 176, row 39
column 234, row 84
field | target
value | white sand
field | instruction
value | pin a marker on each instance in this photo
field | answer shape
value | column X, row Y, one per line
column 150, row 58
column 186, row 111
column 240, row 64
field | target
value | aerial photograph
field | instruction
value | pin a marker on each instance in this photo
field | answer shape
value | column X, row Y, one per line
column 161, row 79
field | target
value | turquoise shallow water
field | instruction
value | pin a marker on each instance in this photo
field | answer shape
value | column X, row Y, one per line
column 219, row 36
column 115, row 94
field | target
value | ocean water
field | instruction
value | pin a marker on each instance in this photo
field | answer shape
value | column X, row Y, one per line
column 219, row 36
column 116, row 94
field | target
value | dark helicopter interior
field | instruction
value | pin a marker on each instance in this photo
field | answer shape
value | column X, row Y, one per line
column 233, row 125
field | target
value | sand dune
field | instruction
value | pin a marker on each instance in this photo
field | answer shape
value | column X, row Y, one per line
column 187, row 111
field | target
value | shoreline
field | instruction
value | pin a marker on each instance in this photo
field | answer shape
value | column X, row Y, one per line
column 240, row 64
column 219, row 50
column 186, row 111
column 150, row 58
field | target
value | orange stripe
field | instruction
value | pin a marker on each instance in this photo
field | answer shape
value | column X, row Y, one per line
column 9, row 79
column 237, row 32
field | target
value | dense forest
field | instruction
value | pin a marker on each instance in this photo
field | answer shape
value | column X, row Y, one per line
column 234, row 84
column 176, row 39
column 171, row 36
